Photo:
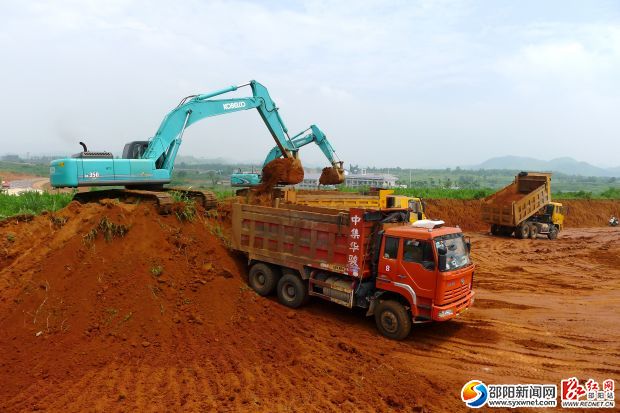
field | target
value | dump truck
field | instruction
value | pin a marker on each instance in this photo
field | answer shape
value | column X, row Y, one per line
column 401, row 273
column 524, row 208
column 383, row 199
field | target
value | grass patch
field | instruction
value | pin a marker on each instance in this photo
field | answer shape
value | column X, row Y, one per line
column 157, row 270
column 109, row 230
column 187, row 212
column 32, row 203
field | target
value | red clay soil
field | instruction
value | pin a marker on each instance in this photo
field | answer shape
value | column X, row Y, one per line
column 331, row 176
column 158, row 317
column 281, row 170
column 466, row 213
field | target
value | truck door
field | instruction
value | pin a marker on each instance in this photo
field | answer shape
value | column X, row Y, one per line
column 388, row 261
column 418, row 265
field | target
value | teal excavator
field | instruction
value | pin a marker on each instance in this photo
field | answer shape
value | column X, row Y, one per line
column 330, row 176
column 146, row 166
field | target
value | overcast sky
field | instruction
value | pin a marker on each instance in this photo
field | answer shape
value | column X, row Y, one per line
column 409, row 83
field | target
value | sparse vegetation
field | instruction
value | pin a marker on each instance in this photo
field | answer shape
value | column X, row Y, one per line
column 57, row 221
column 157, row 270
column 109, row 230
column 187, row 211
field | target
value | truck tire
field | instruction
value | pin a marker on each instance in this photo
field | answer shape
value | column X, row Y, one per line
column 263, row 278
column 392, row 319
column 553, row 232
column 522, row 231
column 533, row 231
column 292, row 291
column 495, row 229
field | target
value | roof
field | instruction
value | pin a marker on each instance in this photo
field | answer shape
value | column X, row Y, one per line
column 408, row 231
column 372, row 176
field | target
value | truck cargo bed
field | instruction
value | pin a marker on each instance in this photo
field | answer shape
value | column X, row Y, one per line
column 518, row 201
column 298, row 237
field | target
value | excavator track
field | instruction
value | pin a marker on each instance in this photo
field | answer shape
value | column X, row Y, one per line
column 207, row 199
column 163, row 199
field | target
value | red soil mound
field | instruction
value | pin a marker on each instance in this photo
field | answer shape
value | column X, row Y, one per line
column 466, row 214
column 96, row 283
column 115, row 308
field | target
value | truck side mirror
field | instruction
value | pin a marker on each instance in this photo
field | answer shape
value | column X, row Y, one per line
column 442, row 262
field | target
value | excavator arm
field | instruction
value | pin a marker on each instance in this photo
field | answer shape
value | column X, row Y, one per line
column 330, row 176
column 300, row 140
column 168, row 137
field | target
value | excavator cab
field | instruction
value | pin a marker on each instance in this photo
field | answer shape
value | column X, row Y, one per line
column 135, row 150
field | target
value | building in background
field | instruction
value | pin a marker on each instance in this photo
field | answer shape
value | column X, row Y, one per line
column 311, row 181
column 370, row 180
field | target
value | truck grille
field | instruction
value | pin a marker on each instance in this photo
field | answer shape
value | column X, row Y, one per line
column 455, row 293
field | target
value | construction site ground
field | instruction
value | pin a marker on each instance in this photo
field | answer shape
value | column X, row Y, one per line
column 112, row 307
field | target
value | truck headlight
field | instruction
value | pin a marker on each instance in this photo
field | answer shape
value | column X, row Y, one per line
column 445, row 313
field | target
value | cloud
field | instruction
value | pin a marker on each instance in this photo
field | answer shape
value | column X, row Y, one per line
column 371, row 74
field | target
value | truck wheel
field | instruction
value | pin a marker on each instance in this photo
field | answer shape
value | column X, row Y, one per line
column 292, row 291
column 553, row 232
column 392, row 319
column 522, row 231
column 262, row 278
column 533, row 231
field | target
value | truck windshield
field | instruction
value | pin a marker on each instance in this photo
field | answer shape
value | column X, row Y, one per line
column 457, row 255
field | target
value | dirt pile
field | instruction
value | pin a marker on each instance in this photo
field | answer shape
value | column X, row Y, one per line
column 111, row 307
column 466, row 213
column 281, row 171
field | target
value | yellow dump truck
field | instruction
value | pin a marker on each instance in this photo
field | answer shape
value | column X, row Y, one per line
column 382, row 199
column 524, row 208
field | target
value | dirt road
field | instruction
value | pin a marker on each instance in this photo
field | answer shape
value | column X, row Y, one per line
column 161, row 319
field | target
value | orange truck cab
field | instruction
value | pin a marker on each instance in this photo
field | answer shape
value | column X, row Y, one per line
column 402, row 273
column 430, row 267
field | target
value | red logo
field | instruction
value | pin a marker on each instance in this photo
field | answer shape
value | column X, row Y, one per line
column 572, row 390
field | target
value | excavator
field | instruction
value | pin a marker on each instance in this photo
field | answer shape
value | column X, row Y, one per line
column 146, row 166
column 330, row 175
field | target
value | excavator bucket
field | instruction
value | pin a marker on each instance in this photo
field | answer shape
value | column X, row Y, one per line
column 331, row 176
column 286, row 171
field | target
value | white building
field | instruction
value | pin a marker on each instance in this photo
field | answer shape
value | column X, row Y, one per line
column 370, row 180
column 311, row 181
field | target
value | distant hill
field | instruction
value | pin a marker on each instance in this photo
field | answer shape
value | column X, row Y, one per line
column 565, row 165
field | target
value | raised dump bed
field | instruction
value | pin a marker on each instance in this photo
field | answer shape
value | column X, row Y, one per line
column 523, row 207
